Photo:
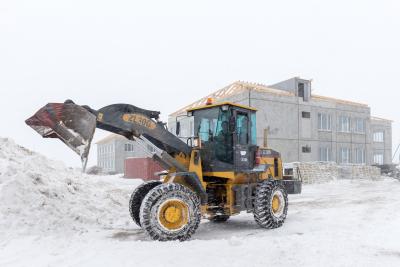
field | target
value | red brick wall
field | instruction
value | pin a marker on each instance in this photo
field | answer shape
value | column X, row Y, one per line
column 142, row 168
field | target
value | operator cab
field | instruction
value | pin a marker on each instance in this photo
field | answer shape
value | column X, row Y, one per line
column 228, row 136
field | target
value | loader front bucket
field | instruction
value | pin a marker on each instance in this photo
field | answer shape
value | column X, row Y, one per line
column 72, row 124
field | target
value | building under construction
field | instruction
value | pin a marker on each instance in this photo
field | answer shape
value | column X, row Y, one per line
column 303, row 126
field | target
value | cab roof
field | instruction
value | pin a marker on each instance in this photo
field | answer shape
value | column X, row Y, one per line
column 222, row 104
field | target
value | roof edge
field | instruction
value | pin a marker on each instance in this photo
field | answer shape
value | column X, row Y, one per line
column 338, row 100
column 381, row 119
column 110, row 137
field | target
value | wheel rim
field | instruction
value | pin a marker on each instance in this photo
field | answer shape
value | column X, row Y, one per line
column 173, row 215
column 278, row 204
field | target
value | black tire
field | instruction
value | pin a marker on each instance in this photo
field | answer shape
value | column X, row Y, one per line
column 137, row 197
column 264, row 213
column 153, row 216
column 219, row 218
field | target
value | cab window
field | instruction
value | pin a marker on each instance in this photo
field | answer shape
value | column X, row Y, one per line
column 207, row 124
column 242, row 128
column 253, row 129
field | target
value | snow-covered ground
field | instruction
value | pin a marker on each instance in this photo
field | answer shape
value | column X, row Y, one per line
column 54, row 216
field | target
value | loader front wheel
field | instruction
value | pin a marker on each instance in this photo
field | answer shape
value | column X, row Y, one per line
column 170, row 212
column 137, row 197
column 271, row 204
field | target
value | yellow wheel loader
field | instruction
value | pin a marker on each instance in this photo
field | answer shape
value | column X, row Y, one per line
column 217, row 173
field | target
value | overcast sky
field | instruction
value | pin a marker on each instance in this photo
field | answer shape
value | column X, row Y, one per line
column 162, row 55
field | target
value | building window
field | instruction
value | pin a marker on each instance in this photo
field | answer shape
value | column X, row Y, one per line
column 306, row 115
column 359, row 126
column 360, row 156
column 128, row 147
column 344, row 155
column 301, row 90
column 151, row 149
column 379, row 137
column 324, row 122
column 325, row 154
column 378, row 158
column 306, row 149
column 344, row 124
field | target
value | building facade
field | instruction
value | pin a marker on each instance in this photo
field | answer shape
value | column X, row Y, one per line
column 113, row 150
column 305, row 127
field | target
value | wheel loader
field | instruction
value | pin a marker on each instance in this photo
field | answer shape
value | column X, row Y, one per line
column 218, row 173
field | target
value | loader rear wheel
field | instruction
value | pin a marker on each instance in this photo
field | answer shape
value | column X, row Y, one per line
column 137, row 197
column 271, row 204
column 170, row 212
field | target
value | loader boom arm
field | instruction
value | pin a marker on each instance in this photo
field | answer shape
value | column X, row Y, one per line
column 75, row 126
column 133, row 122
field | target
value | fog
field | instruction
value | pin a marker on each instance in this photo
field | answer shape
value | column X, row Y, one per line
column 162, row 55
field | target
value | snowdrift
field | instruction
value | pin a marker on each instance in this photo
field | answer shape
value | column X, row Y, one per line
column 39, row 195
column 53, row 216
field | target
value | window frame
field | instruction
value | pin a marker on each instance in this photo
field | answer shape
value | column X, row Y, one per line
column 380, row 134
column 328, row 122
column 326, row 152
column 348, row 156
column 301, row 90
column 357, row 156
column 306, row 149
column 306, row 115
column 343, row 119
column 356, row 124
column 381, row 157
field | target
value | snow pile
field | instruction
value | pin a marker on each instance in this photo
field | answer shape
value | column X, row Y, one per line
column 341, row 223
column 39, row 195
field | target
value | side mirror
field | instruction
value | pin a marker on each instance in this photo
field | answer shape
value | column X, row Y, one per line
column 178, row 128
column 232, row 124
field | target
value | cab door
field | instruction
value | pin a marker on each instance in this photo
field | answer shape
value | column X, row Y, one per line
column 244, row 151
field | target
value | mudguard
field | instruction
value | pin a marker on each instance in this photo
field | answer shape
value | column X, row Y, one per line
column 192, row 181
